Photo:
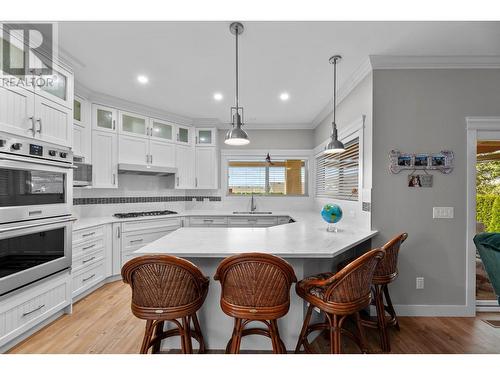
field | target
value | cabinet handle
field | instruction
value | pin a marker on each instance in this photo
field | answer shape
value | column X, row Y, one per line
column 208, row 220
column 88, row 278
column 134, row 241
column 88, row 247
column 114, row 124
column 151, row 159
column 196, row 181
column 32, row 311
column 38, row 212
column 32, row 118
column 118, row 232
column 88, row 260
column 114, row 179
column 177, row 181
column 196, row 139
column 88, row 234
column 40, row 128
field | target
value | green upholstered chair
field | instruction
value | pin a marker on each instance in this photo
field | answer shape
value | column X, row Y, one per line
column 488, row 246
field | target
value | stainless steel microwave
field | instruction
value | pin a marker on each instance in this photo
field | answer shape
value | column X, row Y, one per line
column 82, row 173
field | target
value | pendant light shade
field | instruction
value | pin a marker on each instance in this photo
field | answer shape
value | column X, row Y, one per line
column 236, row 136
column 334, row 146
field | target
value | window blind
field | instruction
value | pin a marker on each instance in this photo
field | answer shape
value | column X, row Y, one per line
column 337, row 175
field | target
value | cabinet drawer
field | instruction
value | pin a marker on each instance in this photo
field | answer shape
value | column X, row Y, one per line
column 167, row 224
column 87, row 234
column 135, row 240
column 252, row 221
column 85, row 260
column 207, row 221
column 87, row 247
column 26, row 309
column 88, row 277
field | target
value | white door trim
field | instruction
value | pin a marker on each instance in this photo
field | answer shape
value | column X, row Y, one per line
column 473, row 126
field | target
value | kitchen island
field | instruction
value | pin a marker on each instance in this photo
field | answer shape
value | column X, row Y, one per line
column 305, row 244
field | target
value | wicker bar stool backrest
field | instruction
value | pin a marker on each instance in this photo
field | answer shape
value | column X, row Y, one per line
column 389, row 265
column 163, row 281
column 255, row 280
column 353, row 282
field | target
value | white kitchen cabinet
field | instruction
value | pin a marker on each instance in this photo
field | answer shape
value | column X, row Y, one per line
column 253, row 221
column 17, row 108
column 82, row 130
column 162, row 130
column 206, row 137
column 132, row 124
column 104, row 118
column 104, row 159
column 53, row 122
column 184, row 135
column 185, row 162
column 206, row 168
column 22, row 310
column 161, row 154
column 133, row 149
column 59, row 87
column 208, row 221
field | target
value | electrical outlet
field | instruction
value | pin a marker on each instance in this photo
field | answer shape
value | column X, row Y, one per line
column 442, row 212
column 420, row 283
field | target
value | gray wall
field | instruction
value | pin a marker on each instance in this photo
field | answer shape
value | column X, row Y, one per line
column 424, row 111
column 299, row 139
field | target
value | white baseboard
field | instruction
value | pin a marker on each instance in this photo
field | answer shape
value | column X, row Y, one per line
column 433, row 310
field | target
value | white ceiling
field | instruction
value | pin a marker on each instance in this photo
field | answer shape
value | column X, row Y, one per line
column 187, row 62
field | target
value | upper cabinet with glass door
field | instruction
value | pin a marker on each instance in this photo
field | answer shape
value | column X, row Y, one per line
column 57, row 86
column 104, row 118
column 206, row 137
column 132, row 124
column 162, row 130
column 184, row 135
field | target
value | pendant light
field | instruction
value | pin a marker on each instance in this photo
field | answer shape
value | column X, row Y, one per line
column 236, row 136
column 334, row 146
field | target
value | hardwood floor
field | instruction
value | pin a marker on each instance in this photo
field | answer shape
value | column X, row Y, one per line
column 103, row 323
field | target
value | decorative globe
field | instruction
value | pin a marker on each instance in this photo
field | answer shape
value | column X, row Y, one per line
column 331, row 213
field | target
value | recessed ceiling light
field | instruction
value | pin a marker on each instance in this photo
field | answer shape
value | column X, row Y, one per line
column 142, row 79
column 218, row 96
column 284, row 96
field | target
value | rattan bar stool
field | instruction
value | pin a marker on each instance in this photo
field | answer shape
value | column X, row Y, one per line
column 166, row 288
column 255, row 287
column 385, row 273
column 339, row 296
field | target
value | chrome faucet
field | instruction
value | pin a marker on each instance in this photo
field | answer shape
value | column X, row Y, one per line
column 253, row 204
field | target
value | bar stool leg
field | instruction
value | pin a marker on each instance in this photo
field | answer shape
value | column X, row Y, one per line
column 158, row 332
column 236, row 337
column 147, row 337
column 390, row 307
column 197, row 329
column 303, row 331
column 381, row 321
column 278, row 345
column 362, row 337
column 335, row 334
column 187, row 334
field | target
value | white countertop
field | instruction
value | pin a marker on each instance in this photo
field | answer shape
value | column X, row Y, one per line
column 306, row 238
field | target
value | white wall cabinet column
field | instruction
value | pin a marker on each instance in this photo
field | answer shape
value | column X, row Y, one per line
column 185, row 162
column 104, row 156
column 206, row 168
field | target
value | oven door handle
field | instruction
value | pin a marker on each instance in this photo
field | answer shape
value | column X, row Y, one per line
column 31, row 225
column 37, row 161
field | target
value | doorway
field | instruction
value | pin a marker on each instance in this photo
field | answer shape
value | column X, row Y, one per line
column 483, row 200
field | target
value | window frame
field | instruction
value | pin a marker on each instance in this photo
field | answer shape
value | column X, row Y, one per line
column 346, row 135
column 259, row 156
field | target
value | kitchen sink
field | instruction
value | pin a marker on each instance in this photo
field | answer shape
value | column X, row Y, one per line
column 252, row 212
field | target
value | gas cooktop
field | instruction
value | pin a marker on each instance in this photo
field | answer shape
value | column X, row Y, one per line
column 145, row 213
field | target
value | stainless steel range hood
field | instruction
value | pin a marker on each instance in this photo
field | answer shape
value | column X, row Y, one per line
column 150, row 170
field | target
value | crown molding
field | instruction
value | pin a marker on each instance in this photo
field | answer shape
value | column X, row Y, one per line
column 379, row 62
column 343, row 92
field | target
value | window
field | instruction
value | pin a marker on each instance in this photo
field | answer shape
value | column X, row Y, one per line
column 337, row 175
column 278, row 178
